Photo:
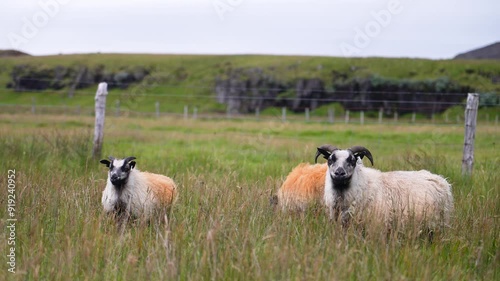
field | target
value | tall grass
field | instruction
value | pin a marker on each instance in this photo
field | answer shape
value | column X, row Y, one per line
column 222, row 227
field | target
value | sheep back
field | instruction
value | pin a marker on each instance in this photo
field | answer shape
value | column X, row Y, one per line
column 420, row 194
column 304, row 185
column 403, row 195
column 163, row 187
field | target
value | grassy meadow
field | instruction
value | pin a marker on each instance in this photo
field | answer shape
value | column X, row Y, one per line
column 222, row 226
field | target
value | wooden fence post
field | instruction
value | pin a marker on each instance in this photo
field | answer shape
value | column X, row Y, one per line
column 257, row 113
column 347, row 116
column 331, row 115
column 380, row 113
column 186, row 112
column 33, row 106
column 117, row 109
column 100, row 114
column 362, row 118
column 307, row 114
column 283, row 114
column 157, row 108
column 470, row 133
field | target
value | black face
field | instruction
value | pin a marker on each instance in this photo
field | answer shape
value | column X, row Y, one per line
column 341, row 164
column 119, row 170
column 119, row 174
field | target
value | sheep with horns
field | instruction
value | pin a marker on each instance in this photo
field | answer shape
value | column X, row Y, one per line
column 353, row 190
column 132, row 193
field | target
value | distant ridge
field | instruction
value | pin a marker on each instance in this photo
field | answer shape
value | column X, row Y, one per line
column 12, row 53
column 489, row 52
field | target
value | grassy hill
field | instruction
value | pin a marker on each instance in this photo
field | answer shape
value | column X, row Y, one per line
column 190, row 79
column 491, row 51
column 12, row 53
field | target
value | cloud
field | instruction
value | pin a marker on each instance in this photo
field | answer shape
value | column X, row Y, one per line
column 424, row 29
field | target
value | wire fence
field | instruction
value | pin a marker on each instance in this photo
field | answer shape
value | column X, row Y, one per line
column 193, row 112
column 211, row 88
column 203, row 101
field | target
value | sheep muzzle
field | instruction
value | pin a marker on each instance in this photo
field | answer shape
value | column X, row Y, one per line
column 341, row 182
column 117, row 181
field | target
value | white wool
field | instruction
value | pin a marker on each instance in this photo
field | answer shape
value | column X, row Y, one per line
column 136, row 196
column 385, row 196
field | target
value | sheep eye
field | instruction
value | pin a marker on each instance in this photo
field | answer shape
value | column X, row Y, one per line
column 125, row 168
column 352, row 159
column 331, row 160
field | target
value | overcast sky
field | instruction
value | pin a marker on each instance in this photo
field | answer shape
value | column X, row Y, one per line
column 390, row 28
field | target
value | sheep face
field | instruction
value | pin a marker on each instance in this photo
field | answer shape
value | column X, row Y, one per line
column 342, row 164
column 119, row 170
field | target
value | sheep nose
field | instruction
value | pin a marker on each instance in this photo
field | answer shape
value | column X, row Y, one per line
column 114, row 177
column 340, row 172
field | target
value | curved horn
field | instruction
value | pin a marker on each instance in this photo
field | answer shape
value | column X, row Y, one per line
column 326, row 150
column 128, row 159
column 361, row 152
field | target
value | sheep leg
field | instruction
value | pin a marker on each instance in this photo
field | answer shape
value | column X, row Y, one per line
column 122, row 216
column 121, row 220
column 332, row 214
column 345, row 218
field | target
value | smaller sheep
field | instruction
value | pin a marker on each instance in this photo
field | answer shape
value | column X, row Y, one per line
column 132, row 193
column 304, row 185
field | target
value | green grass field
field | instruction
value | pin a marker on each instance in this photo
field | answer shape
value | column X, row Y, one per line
column 222, row 226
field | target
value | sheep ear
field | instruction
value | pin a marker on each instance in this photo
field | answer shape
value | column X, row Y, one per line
column 360, row 151
column 129, row 160
column 322, row 151
column 105, row 162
